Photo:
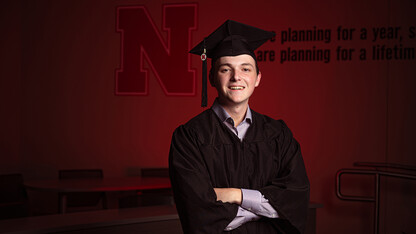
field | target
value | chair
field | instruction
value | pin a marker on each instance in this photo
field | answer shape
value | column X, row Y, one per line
column 160, row 196
column 14, row 202
column 151, row 197
column 81, row 201
column 155, row 172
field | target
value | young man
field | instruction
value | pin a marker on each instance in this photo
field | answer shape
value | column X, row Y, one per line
column 233, row 169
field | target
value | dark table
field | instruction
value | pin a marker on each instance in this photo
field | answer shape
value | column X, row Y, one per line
column 108, row 185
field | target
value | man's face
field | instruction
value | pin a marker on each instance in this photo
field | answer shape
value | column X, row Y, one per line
column 235, row 78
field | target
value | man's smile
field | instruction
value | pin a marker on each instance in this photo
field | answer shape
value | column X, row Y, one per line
column 237, row 87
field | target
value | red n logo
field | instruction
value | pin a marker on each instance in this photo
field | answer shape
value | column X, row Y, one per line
column 168, row 59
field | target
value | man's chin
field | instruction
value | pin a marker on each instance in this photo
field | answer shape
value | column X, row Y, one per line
column 233, row 102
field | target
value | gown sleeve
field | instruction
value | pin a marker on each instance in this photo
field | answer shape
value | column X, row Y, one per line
column 288, row 192
column 194, row 195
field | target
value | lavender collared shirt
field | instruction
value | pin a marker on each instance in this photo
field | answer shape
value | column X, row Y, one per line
column 254, row 204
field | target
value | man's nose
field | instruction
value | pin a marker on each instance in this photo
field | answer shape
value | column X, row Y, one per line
column 235, row 76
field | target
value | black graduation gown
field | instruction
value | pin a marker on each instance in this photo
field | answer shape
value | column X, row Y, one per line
column 205, row 154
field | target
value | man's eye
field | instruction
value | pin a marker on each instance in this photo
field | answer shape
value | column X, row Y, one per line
column 246, row 69
column 224, row 70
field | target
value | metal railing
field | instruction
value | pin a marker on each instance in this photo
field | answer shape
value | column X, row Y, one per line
column 377, row 174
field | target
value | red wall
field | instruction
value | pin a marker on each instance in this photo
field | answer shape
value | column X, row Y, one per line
column 60, row 111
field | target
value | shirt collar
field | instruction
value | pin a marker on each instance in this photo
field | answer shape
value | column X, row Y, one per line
column 223, row 115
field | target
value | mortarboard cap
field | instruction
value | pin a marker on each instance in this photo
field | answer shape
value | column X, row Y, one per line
column 230, row 39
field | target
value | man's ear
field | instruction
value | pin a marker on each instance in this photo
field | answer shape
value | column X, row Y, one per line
column 258, row 79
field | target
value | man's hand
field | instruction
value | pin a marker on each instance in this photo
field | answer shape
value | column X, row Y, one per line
column 231, row 195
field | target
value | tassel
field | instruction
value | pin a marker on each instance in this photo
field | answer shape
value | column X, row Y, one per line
column 204, row 98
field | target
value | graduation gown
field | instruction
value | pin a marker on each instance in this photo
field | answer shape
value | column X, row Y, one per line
column 205, row 154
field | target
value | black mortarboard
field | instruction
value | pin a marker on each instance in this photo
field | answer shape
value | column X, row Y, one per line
column 230, row 39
